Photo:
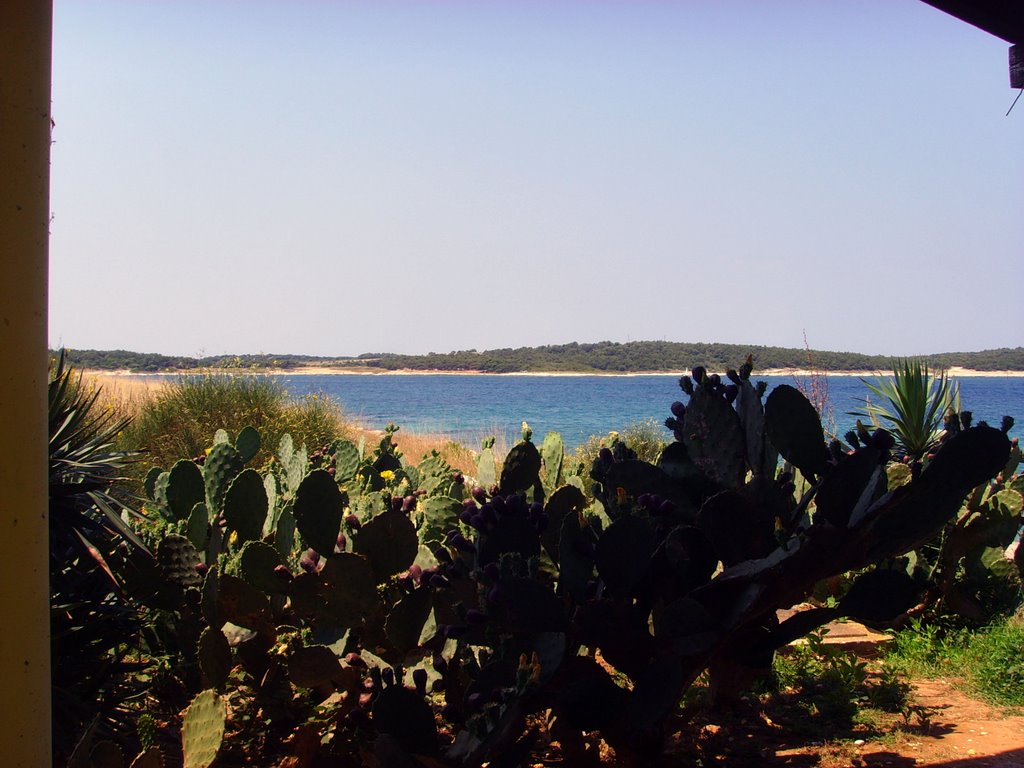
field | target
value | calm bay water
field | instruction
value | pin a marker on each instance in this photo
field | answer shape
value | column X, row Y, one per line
column 470, row 407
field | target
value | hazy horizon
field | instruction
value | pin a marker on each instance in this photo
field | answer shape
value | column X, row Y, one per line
column 335, row 179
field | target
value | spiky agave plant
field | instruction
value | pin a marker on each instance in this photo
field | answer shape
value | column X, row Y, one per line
column 912, row 405
column 92, row 620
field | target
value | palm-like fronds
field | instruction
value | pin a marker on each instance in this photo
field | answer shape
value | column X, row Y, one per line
column 912, row 405
column 92, row 621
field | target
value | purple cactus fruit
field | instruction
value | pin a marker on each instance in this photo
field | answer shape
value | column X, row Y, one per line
column 459, row 478
column 358, row 716
column 698, row 373
column 454, row 630
column 202, row 568
column 440, row 663
column 731, row 392
column 466, row 516
column 340, row 542
column 715, row 380
column 437, row 581
column 488, row 516
column 408, row 504
column 353, row 522
column 396, row 504
column 678, row 410
column 465, row 546
column 416, row 572
column 366, row 699
column 476, row 701
column 498, row 505
column 388, row 675
column 667, row 507
column 479, row 494
column 332, row 471
column 282, row 572
column 419, row 679
column 355, row 660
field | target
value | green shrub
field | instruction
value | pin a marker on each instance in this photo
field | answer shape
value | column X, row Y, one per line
column 990, row 661
column 181, row 419
column 994, row 660
column 647, row 438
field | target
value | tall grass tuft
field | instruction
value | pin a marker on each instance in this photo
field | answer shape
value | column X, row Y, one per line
column 179, row 420
column 648, row 438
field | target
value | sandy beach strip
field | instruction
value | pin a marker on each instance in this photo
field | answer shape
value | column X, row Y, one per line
column 123, row 375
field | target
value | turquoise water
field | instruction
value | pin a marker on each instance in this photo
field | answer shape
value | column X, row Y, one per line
column 469, row 407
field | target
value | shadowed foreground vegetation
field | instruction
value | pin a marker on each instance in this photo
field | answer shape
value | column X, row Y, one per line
column 297, row 591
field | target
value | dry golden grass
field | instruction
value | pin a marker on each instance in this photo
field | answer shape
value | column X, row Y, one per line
column 128, row 394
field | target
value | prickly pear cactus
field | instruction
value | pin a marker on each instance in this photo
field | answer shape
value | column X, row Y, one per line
column 184, row 489
column 248, row 443
column 552, row 453
column 346, row 460
column 318, row 509
column 245, row 505
column 203, row 730
column 178, row 560
column 486, row 471
column 222, row 464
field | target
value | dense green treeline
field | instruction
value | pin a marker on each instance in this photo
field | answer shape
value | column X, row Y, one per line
column 148, row 362
column 609, row 357
column 601, row 357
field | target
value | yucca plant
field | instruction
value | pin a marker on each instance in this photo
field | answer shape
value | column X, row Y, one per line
column 92, row 621
column 912, row 405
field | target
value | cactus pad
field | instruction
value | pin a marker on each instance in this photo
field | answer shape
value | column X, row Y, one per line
column 318, row 510
column 389, row 541
column 202, row 730
column 245, row 505
column 248, row 443
column 214, row 657
column 185, row 489
column 222, row 464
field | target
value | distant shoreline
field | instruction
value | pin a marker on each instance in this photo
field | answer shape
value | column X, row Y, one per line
column 953, row 371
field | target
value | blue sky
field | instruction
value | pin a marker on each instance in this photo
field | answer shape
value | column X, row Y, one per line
column 335, row 178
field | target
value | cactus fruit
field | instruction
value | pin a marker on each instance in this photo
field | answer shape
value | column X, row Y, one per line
column 202, row 730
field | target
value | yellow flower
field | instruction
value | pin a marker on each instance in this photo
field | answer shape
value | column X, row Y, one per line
column 387, row 474
column 233, row 539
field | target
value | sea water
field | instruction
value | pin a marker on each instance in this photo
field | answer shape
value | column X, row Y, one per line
column 468, row 407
